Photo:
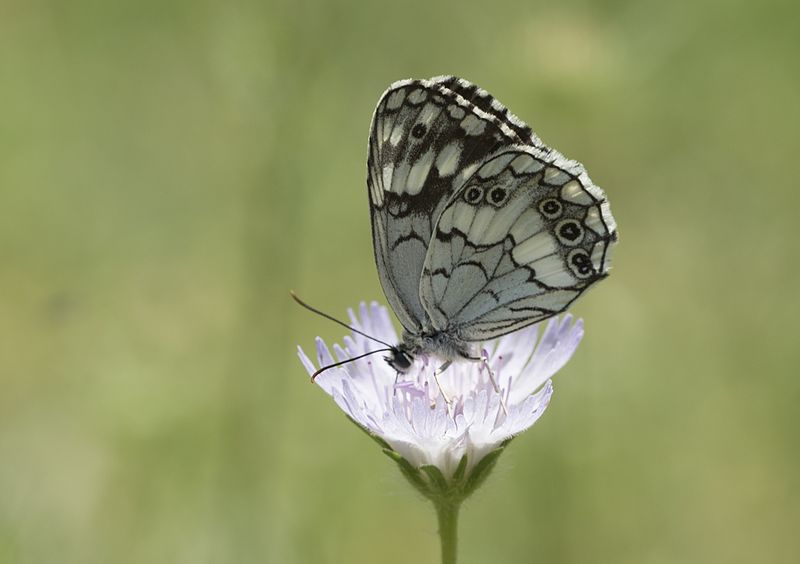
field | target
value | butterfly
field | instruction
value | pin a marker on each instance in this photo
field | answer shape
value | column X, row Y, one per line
column 479, row 229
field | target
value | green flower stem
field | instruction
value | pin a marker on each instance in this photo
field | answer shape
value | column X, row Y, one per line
column 447, row 512
column 446, row 493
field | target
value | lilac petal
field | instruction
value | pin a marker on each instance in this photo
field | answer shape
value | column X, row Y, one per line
column 364, row 318
column 569, row 337
column 352, row 347
column 370, row 314
column 519, row 349
column 419, row 416
column 328, row 379
column 533, row 408
column 523, row 415
column 355, row 324
column 340, row 353
column 475, row 408
column 549, row 338
column 358, row 407
column 517, row 344
column 307, row 364
column 349, row 367
column 384, row 330
column 346, row 404
column 555, row 349
column 323, row 354
column 570, row 341
column 347, row 401
column 372, row 320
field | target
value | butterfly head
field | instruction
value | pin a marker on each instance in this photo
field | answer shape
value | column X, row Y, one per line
column 400, row 359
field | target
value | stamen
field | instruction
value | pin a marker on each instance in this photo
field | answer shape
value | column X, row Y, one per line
column 485, row 360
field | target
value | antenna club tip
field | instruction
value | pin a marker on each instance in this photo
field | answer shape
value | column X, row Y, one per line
column 294, row 296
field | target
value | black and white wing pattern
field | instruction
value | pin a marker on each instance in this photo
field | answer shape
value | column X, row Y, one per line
column 427, row 138
column 524, row 236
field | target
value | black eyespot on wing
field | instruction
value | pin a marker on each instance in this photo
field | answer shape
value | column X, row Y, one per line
column 419, row 130
column 551, row 208
column 580, row 263
column 497, row 195
column 473, row 195
column 569, row 232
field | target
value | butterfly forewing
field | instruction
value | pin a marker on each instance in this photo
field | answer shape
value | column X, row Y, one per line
column 522, row 239
column 485, row 102
column 426, row 140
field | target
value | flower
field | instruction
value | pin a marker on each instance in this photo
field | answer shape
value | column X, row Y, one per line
column 461, row 426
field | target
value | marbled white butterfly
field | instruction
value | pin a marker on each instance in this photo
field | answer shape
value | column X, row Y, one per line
column 479, row 229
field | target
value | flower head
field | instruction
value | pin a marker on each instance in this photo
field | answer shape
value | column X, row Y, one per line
column 475, row 407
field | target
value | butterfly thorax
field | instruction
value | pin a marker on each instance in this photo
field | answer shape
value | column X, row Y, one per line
column 442, row 345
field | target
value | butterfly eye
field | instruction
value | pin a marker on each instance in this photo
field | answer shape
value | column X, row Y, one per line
column 419, row 130
column 473, row 195
column 497, row 196
column 569, row 232
column 551, row 208
column 580, row 263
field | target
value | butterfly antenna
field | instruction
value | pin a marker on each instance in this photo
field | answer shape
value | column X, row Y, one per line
column 324, row 368
column 342, row 323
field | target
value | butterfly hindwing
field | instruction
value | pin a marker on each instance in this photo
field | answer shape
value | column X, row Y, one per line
column 426, row 139
column 524, row 236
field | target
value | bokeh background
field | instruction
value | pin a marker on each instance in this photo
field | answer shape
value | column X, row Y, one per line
column 170, row 169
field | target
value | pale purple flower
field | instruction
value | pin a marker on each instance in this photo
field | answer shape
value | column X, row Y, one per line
column 408, row 411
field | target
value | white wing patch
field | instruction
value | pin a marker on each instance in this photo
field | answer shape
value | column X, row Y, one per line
column 539, row 245
column 417, row 96
column 395, row 99
column 572, row 191
column 526, row 163
column 447, row 160
column 399, row 178
column 397, row 134
column 465, row 173
column 419, row 172
column 428, row 113
column 494, row 166
column 473, row 125
column 456, row 112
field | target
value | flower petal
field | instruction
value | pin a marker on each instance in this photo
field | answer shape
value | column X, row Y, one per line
column 307, row 364
column 557, row 346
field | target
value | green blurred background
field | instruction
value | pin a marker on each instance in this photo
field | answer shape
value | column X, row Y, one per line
column 169, row 170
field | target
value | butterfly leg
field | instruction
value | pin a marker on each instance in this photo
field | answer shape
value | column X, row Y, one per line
column 484, row 360
column 436, row 374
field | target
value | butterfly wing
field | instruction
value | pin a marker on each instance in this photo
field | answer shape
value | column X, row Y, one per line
column 427, row 137
column 520, row 241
